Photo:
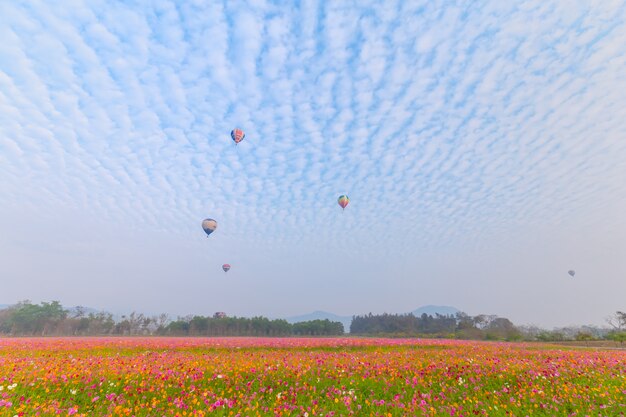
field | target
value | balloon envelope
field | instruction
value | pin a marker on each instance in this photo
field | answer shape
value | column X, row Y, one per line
column 571, row 272
column 343, row 201
column 209, row 226
column 226, row 267
column 237, row 135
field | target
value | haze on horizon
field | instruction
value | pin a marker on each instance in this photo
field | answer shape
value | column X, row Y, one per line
column 483, row 148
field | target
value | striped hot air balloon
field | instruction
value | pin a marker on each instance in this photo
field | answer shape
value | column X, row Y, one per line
column 343, row 201
column 226, row 267
column 237, row 135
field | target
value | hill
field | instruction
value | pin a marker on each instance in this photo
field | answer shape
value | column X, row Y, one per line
column 431, row 310
column 322, row 315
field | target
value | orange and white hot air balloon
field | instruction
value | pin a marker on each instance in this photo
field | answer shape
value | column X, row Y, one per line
column 209, row 226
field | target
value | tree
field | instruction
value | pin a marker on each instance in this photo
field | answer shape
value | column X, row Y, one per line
column 617, row 321
column 553, row 336
column 318, row 328
column 135, row 322
column 618, row 337
column 33, row 319
column 584, row 337
column 123, row 327
column 52, row 315
column 178, row 327
column 100, row 323
column 199, row 325
column 79, row 312
column 160, row 322
column 464, row 321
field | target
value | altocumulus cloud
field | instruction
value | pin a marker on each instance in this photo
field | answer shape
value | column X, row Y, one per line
column 448, row 125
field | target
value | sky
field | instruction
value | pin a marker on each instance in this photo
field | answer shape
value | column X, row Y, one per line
column 482, row 146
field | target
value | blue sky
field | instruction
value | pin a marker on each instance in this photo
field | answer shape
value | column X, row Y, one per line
column 483, row 148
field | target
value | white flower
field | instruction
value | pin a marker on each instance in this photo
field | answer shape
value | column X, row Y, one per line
column 220, row 376
column 73, row 391
column 12, row 387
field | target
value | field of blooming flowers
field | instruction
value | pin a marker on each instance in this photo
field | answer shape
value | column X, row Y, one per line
column 305, row 377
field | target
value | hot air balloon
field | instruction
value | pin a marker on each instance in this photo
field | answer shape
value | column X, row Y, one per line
column 209, row 226
column 343, row 201
column 237, row 135
column 571, row 272
column 226, row 267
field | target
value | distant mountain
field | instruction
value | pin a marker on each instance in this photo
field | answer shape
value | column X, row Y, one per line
column 432, row 310
column 3, row 306
column 322, row 315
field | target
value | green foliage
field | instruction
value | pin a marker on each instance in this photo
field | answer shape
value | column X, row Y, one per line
column 46, row 319
column 317, row 328
column 50, row 319
column 584, row 337
column 30, row 319
column 256, row 326
column 402, row 323
column 547, row 336
column 178, row 328
column 618, row 337
column 460, row 326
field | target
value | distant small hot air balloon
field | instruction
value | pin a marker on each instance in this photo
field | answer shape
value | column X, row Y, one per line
column 571, row 272
column 237, row 135
column 343, row 201
column 226, row 267
column 209, row 226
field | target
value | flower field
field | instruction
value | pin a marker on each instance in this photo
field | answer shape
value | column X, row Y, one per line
column 305, row 377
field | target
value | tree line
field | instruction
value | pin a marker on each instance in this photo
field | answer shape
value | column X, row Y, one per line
column 255, row 326
column 481, row 327
column 51, row 319
column 460, row 326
